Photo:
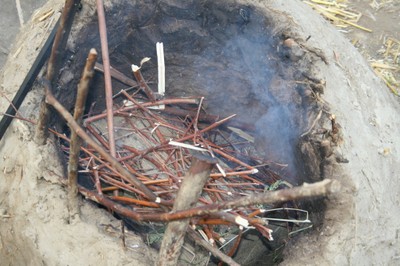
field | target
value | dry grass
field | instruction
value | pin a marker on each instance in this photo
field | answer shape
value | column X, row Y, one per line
column 386, row 64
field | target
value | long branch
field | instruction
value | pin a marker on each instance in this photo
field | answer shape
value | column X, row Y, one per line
column 107, row 75
column 318, row 189
column 83, row 89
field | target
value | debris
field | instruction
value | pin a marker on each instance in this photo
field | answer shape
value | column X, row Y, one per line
column 338, row 13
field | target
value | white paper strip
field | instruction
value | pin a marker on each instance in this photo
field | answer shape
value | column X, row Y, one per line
column 161, row 68
column 184, row 145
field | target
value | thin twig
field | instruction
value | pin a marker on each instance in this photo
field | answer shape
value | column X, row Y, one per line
column 143, row 85
column 107, row 75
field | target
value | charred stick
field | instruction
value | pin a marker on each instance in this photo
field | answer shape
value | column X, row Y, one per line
column 83, row 89
column 187, row 196
column 107, row 75
column 111, row 159
column 54, row 65
column 117, row 75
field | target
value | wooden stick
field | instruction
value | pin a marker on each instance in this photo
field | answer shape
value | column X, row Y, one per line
column 83, row 89
column 143, row 85
column 107, row 75
column 117, row 75
column 54, row 64
column 187, row 196
column 318, row 189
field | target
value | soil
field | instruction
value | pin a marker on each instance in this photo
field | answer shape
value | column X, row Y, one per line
column 360, row 225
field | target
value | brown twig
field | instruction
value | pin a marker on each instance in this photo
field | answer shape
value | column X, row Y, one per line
column 54, row 65
column 107, row 75
column 83, row 89
column 187, row 196
column 143, row 85
column 117, row 75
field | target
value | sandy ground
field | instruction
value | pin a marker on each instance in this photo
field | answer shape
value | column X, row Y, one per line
column 361, row 225
column 13, row 15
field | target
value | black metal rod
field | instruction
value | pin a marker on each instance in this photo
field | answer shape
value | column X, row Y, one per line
column 28, row 82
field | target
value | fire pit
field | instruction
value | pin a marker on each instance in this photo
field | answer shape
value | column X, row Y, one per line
column 240, row 89
column 221, row 59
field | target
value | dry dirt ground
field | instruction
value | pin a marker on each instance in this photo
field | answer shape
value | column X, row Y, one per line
column 361, row 224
